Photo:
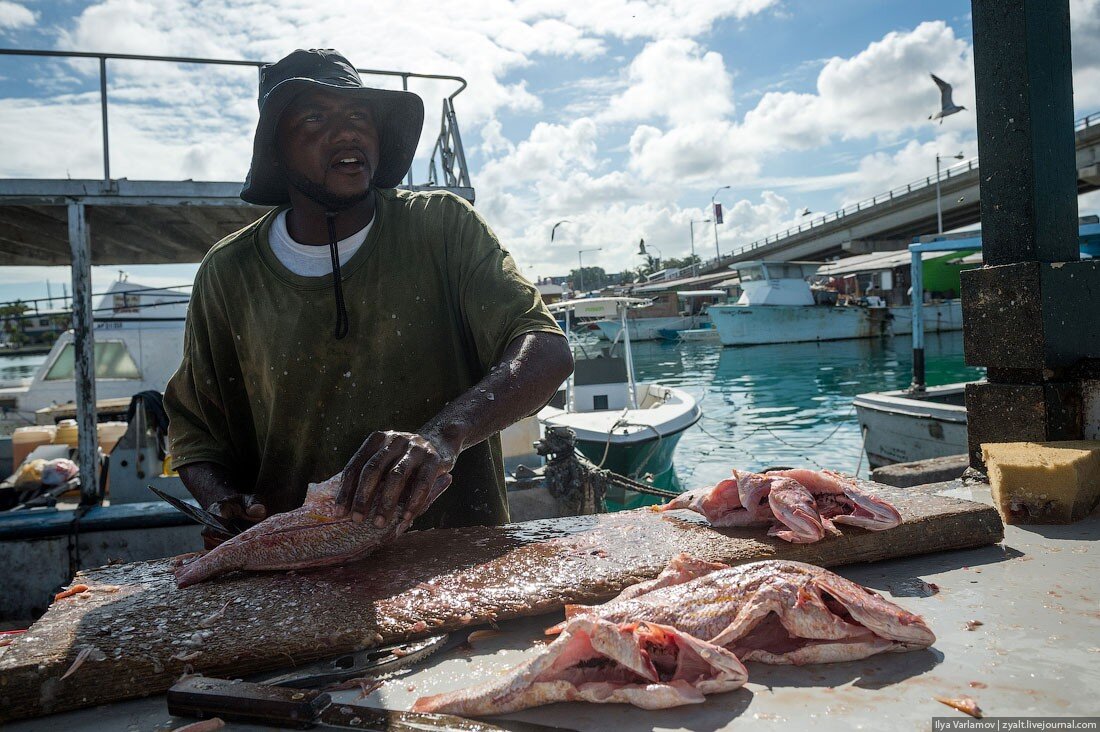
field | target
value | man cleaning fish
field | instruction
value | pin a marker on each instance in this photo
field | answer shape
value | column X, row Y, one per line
column 373, row 337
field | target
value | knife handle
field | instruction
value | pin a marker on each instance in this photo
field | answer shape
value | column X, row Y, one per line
column 241, row 701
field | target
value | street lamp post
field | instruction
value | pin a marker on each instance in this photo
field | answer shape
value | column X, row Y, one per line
column 694, row 270
column 939, row 209
column 580, row 267
column 714, row 215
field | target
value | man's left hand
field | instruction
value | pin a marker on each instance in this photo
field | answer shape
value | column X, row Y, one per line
column 393, row 470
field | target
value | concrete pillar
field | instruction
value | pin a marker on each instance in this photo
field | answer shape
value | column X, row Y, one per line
column 84, row 354
column 1031, row 315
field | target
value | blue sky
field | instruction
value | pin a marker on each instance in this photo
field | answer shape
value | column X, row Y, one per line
column 621, row 116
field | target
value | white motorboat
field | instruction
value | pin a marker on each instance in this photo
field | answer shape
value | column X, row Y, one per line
column 624, row 426
column 939, row 317
column 901, row 426
column 778, row 306
column 138, row 332
column 920, row 422
column 672, row 311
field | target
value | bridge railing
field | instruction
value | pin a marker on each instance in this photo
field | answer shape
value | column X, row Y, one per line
column 448, row 146
column 893, row 194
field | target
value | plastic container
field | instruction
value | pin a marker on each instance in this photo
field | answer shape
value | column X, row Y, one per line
column 109, row 434
column 66, row 433
column 25, row 439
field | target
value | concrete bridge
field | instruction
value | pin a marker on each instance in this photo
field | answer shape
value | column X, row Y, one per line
column 890, row 220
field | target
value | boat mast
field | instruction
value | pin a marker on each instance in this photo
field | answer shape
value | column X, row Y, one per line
column 569, row 380
column 629, row 357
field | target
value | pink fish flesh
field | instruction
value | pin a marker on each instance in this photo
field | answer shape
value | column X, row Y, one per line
column 720, row 503
column 795, row 511
column 318, row 534
column 773, row 611
column 648, row 665
column 839, row 499
column 749, row 499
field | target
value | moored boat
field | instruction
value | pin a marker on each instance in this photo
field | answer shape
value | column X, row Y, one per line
column 778, row 306
column 902, row 426
column 624, row 426
column 138, row 332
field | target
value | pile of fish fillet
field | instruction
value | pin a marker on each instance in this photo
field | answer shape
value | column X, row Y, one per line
column 674, row 639
column 685, row 634
column 662, row 643
column 800, row 505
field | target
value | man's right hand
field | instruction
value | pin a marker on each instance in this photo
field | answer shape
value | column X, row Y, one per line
column 239, row 507
column 212, row 486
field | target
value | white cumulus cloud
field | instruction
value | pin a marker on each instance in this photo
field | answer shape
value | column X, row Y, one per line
column 14, row 16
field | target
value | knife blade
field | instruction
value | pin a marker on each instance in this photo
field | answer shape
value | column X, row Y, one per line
column 195, row 513
column 242, row 701
column 370, row 662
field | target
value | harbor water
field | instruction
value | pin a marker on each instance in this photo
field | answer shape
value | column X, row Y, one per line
column 17, row 369
column 763, row 406
column 787, row 404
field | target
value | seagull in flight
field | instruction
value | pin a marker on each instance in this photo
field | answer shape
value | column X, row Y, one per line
column 947, row 107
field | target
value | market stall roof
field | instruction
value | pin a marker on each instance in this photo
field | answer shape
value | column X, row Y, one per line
column 701, row 293
column 873, row 262
column 130, row 222
column 702, row 281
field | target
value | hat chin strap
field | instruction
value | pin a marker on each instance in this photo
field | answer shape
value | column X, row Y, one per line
column 337, row 280
column 333, row 205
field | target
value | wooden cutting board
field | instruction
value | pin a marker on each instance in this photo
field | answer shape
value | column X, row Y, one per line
column 141, row 632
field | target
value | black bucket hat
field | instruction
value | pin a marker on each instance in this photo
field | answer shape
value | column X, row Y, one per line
column 399, row 116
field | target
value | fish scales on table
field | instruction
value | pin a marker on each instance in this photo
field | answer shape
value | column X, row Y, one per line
column 423, row 583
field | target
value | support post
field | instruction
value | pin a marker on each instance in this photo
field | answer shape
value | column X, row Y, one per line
column 103, row 117
column 916, row 273
column 84, row 355
column 1024, row 311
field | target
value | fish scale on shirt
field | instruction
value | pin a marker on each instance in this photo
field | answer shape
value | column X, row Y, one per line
column 266, row 390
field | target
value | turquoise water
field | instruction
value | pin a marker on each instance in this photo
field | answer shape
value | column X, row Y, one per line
column 15, row 368
column 788, row 404
column 763, row 406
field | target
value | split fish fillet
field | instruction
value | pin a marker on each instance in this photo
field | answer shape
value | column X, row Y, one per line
column 318, row 534
column 648, row 665
column 839, row 499
column 801, row 504
column 774, row 611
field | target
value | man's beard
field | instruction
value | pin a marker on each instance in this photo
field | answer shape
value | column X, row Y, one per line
column 319, row 194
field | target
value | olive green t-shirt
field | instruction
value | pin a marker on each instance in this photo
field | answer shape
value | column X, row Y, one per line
column 266, row 390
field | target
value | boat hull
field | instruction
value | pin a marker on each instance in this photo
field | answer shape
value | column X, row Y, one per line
column 939, row 317
column 647, row 329
column 633, row 460
column 899, row 428
column 749, row 325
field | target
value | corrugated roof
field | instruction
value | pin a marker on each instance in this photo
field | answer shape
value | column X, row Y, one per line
column 686, row 283
column 873, row 262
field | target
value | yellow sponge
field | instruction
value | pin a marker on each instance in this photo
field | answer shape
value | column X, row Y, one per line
column 1044, row 482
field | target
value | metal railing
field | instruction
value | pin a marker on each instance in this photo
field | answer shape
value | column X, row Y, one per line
column 891, row 195
column 449, row 147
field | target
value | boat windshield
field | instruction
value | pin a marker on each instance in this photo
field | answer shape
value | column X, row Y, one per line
column 112, row 361
column 750, row 274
